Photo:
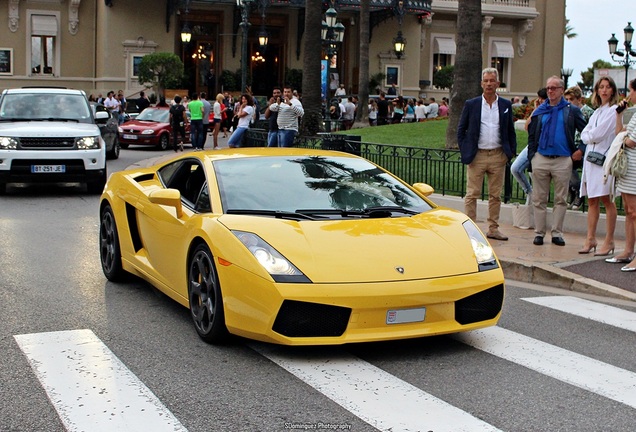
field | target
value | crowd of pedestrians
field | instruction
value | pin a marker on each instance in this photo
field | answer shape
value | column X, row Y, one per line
column 564, row 135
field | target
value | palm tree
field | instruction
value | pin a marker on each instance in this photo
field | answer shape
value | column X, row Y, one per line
column 468, row 64
column 569, row 30
column 312, row 103
column 363, row 79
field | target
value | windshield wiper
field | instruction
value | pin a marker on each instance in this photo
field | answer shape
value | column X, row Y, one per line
column 374, row 212
column 278, row 214
column 14, row 119
column 53, row 119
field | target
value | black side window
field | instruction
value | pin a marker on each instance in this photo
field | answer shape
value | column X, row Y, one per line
column 189, row 178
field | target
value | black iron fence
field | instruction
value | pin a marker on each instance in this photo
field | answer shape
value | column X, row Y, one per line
column 440, row 168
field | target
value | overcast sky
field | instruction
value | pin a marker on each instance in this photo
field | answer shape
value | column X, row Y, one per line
column 594, row 21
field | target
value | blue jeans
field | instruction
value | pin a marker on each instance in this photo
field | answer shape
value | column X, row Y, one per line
column 519, row 168
column 286, row 137
column 272, row 139
column 237, row 137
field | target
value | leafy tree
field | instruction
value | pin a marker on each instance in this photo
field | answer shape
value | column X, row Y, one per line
column 294, row 77
column 230, row 80
column 443, row 78
column 587, row 77
column 312, row 103
column 569, row 30
column 467, row 71
column 161, row 70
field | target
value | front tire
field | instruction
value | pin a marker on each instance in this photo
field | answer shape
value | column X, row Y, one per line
column 109, row 250
column 204, row 295
column 164, row 141
column 97, row 186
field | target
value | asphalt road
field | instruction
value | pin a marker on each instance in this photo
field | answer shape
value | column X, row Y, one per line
column 541, row 369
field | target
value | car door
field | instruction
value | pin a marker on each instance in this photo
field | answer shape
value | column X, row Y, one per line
column 165, row 236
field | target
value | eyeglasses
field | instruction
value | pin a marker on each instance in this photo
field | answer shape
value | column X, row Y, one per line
column 553, row 88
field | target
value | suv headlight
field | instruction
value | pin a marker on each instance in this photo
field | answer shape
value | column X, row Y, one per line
column 87, row 143
column 8, row 143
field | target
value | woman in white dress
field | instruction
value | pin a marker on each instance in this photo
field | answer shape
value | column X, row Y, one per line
column 626, row 186
column 598, row 136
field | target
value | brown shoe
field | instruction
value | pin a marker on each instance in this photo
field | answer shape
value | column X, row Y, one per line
column 495, row 234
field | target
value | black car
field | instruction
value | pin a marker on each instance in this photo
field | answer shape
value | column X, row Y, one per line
column 108, row 128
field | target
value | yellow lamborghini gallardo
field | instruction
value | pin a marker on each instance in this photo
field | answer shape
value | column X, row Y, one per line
column 298, row 247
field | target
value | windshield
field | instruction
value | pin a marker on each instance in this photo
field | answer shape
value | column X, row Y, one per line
column 45, row 106
column 155, row 115
column 309, row 184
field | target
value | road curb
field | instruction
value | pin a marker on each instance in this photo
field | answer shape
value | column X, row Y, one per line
column 545, row 274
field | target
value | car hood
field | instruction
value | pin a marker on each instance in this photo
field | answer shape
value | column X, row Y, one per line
column 47, row 129
column 143, row 124
column 429, row 245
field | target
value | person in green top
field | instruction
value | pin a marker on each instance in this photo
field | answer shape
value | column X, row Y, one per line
column 196, row 122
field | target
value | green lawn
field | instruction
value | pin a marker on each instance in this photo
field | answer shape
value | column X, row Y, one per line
column 428, row 134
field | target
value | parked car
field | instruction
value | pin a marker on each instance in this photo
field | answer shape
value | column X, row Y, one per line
column 50, row 135
column 108, row 128
column 298, row 247
column 150, row 127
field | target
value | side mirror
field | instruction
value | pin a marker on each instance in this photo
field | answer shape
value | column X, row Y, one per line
column 101, row 116
column 167, row 197
column 424, row 188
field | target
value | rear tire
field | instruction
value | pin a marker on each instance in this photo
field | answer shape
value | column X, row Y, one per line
column 3, row 188
column 204, row 295
column 109, row 250
column 114, row 153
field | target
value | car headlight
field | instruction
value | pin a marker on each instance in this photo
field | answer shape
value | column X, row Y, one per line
column 8, row 143
column 272, row 261
column 484, row 253
column 87, row 143
column 148, row 132
column 120, row 130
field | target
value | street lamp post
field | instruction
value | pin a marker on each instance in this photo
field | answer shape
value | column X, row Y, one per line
column 245, row 24
column 566, row 73
column 627, row 52
column 332, row 31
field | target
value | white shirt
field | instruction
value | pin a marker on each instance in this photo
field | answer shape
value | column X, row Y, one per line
column 489, row 129
column 340, row 92
column 433, row 109
column 112, row 104
column 420, row 111
column 244, row 122
column 288, row 115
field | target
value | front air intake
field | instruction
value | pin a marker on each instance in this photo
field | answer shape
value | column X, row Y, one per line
column 483, row 306
column 302, row 319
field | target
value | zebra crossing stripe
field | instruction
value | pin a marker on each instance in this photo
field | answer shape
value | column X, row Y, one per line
column 598, row 312
column 584, row 372
column 90, row 387
column 377, row 397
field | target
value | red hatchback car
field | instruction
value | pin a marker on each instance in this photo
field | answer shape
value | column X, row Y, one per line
column 150, row 127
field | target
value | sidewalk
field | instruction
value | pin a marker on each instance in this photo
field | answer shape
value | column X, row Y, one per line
column 556, row 266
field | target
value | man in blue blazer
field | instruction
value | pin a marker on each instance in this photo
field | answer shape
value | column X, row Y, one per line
column 487, row 142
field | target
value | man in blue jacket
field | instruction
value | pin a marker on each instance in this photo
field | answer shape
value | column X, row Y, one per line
column 551, row 150
column 487, row 142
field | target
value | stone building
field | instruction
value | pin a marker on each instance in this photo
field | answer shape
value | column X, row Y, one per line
column 96, row 45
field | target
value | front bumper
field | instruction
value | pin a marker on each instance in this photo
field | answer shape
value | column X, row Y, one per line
column 79, row 166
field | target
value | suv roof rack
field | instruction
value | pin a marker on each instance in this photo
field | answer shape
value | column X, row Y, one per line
column 44, row 87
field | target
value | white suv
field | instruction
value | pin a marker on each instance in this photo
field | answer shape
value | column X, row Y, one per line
column 49, row 135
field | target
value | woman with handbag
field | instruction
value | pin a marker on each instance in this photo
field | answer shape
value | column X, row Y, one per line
column 626, row 184
column 598, row 136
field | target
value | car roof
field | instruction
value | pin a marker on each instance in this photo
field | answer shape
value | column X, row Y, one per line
column 44, row 90
column 250, row 152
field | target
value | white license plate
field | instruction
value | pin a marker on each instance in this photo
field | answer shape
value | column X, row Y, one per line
column 48, row 168
column 400, row 316
column 133, row 137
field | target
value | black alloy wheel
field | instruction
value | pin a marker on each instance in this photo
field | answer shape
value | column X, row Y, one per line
column 204, row 295
column 109, row 250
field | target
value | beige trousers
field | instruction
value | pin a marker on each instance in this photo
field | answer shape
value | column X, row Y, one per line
column 544, row 171
column 491, row 163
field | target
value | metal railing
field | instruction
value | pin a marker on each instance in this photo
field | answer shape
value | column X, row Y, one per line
column 440, row 168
